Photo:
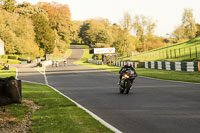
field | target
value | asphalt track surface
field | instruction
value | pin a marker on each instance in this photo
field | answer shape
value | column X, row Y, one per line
column 152, row 106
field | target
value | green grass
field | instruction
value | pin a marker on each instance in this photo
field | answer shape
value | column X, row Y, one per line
column 154, row 73
column 86, row 54
column 10, row 61
column 58, row 114
column 175, row 52
column 66, row 55
column 82, row 46
column 170, row 75
column 18, row 111
column 8, row 73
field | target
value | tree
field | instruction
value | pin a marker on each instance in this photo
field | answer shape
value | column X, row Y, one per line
column 198, row 30
column 59, row 20
column 103, row 37
column 8, row 5
column 126, row 22
column 94, row 31
column 179, row 33
column 188, row 22
column 75, row 31
column 17, row 32
column 144, row 29
column 26, row 9
column 45, row 36
column 83, row 33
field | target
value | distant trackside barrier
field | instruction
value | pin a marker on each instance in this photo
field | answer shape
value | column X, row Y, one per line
column 161, row 65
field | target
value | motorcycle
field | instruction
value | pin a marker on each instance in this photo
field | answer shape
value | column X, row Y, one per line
column 126, row 81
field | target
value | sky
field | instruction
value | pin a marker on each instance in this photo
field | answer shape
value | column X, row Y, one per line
column 166, row 13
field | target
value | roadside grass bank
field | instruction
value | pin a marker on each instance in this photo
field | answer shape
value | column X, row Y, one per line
column 182, row 51
column 17, row 111
column 85, row 56
column 8, row 73
column 153, row 73
column 62, row 57
column 58, row 114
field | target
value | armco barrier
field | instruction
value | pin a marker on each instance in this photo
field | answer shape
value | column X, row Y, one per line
column 152, row 65
column 183, row 66
column 190, row 66
column 172, row 65
column 156, row 64
column 178, row 66
column 159, row 65
column 196, row 66
column 162, row 65
column 146, row 65
column 167, row 65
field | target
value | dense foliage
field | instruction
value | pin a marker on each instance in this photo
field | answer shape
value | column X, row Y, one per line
column 34, row 29
column 47, row 28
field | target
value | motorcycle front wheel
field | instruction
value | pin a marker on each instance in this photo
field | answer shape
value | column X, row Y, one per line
column 127, row 86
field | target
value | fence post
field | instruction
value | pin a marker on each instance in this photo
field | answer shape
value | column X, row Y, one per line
column 174, row 53
column 170, row 53
column 190, row 53
column 166, row 54
column 196, row 52
column 163, row 55
column 184, row 52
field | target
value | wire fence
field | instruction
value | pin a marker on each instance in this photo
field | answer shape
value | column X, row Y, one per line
column 185, row 53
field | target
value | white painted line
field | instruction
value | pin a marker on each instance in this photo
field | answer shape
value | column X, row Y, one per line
column 33, row 82
column 89, row 112
column 16, row 73
column 45, row 78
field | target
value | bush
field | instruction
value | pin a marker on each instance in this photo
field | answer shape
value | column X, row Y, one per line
column 1, row 67
column 4, row 56
column 15, row 57
column 11, row 61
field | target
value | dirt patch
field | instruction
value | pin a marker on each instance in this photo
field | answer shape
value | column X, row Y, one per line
column 9, row 124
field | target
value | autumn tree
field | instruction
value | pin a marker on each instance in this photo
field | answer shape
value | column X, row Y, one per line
column 60, row 21
column 26, row 9
column 189, row 24
column 94, row 31
column 198, row 29
column 178, row 33
column 45, row 36
column 126, row 22
column 125, row 43
column 8, row 5
column 75, row 31
column 143, row 28
column 17, row 32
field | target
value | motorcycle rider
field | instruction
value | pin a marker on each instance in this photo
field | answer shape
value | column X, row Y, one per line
column 124, row 69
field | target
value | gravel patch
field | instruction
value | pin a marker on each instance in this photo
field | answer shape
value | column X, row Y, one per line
column 9, row 124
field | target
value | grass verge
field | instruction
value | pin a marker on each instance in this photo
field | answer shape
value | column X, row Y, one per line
column 154, row 73
column 58, row 114
column 18, row 111
column 8, row 73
